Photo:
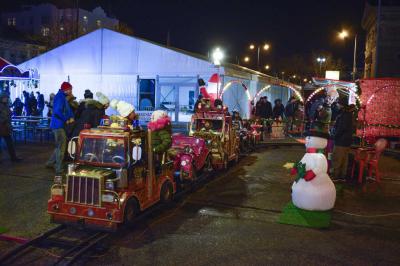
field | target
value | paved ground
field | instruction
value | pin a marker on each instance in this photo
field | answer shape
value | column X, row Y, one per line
column 230, row 220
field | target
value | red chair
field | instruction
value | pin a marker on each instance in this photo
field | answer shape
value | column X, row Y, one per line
column 373, row 158
column 368, row 157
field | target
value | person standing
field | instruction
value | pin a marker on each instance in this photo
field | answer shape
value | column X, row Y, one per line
column 92, row 113
column 268, row 108
column 40, row 103
column 33, row 104
column 5, row 126
column 50, row 104
column 278, row 110
column 88, row 97
column 343, row 136
column 18, row 106
column 62, row 116
column 26, row 103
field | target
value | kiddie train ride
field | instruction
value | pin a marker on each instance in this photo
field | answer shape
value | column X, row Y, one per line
column 116, row 175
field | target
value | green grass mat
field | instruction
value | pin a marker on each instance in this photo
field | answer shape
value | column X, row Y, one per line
column 3, row 230
column 295, row 216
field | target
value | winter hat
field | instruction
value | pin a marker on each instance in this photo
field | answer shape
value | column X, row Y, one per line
column 88, row 94
column 123, row 108
column 66, row 86
column 102, row 98
column 159, row 120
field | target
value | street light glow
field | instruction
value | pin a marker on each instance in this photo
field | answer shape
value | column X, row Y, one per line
column 305, row 80
column 247, row 59
column 217, row 56
column 294, row 76
column 266, row 67
column 343, row 34
column 266, row 46
column 252, row 46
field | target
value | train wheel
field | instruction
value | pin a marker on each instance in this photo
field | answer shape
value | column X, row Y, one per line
column 166, row 193
column 131, row 211
column 208, row 167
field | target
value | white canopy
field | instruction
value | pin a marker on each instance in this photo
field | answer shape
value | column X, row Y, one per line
column 111, row 62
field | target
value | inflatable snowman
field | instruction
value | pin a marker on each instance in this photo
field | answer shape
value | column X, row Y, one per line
column 313, row 189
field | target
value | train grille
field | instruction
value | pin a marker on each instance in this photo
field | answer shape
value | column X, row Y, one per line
column 83, row 190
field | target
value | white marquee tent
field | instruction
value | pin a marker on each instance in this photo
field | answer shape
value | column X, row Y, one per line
column 146, row 74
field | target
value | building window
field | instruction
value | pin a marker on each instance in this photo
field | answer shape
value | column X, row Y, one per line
column 11, row 21
column 98, row 23
column 45, row 31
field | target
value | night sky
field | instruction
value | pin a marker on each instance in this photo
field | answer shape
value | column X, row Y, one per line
column 290, row 27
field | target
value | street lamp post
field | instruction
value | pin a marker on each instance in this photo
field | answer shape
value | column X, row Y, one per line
column 217, row 56
column 321, row 60
column 265, row 47
column 343, row 35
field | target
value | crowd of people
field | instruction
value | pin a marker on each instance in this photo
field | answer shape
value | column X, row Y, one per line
column 30, row 106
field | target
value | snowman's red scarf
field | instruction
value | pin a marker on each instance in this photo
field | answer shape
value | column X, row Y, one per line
column 315, row 150
column 159, row 123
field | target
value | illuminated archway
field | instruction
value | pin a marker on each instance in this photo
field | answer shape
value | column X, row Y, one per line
column 266, row 88
column 230, row 83
column 332, row 85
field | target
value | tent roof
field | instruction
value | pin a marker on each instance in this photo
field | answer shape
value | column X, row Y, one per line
column 8, row 71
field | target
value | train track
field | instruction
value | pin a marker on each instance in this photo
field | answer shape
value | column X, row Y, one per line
column 75, row 249
column 62, row 238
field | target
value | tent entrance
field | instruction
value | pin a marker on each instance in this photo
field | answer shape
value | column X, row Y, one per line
column 177, row 95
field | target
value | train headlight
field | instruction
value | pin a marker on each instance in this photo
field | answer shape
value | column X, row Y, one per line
column 109, row 185
column 58, row 180
column 90, row 212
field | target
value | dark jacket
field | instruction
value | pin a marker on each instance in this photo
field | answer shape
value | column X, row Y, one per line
column 268, row 110
column 278, row 111
column 40, row 102
column 91, row 115
column 5, row 119
column 343, row 129
column 61, row 111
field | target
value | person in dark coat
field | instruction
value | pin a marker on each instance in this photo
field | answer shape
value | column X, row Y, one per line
column 40, row 103
column 343, row 137
column 260, row 108
column 278, row 110
column 18, row 106
column 290, row 111
column 33, row 104
column 267, row 109
column 5, row 126
column 90, row 116
column 26, row 103
column 88, row 95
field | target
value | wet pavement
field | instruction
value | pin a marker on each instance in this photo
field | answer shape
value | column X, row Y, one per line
column 228, row 220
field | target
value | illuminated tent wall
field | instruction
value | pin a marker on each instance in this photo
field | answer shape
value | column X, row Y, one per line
column 118, row 65
column 111, row 62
